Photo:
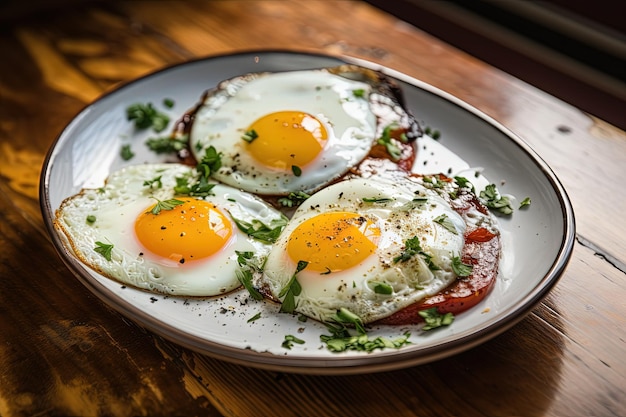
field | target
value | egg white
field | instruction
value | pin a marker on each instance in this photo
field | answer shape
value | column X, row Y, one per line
column 116, row 207
column 399, row 219
column 226, row 113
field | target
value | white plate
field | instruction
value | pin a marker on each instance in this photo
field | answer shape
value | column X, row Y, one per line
column 537, row 242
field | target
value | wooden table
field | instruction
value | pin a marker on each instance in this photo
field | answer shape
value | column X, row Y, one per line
column 63, row 352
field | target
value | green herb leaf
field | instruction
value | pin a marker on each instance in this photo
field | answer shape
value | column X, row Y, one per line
column 259, row 230
column 411, row 248
column 382, row 288
column 492, row 199
column 433, row 133
column 91, row 219
column 464, row 183
column 104, row 250
column 377, row 200
column 385, row 139
column 525, row 202
column 434, row 319
column 165, row 205
column 461, row 269
column 293, row 199
column 168, row 102
column 250, row 136
column 340, row 340
column 290, row 340
column 291, row 290
column 210, row 162
column 167, row 144
column 446, row 223
column 345, row 316
column 359, row 92
column 154, row 182
column 244, row 274
column 201, row 188
column 254, row 318
column 126, row 153
column 297, row 171
column 145, row 116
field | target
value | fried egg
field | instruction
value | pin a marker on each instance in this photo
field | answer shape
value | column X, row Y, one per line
column 284, row 132
column 358, row 239
column 135, row 229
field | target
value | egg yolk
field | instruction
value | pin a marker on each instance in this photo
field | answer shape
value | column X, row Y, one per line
column 332, row 242
column 286, row 139
column 190, row 231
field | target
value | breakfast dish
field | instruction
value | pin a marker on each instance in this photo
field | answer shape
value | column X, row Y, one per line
column 427, row 242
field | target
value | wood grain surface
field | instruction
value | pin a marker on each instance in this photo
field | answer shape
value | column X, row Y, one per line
column 63, row 352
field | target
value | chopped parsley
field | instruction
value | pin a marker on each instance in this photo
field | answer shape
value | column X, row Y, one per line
column 387, row 141
column 250, row 136
column 247, row 265
column 461, row 269
column 525, row 202
column 104, row 250
column 341, row 340
column 297, row 171
column 293, row 199
column 126, row 153
column 359, row 92
column 492, row 199
column 254, row 318
column 377, row 200
column 165, row 205
column 433, row 133
column 168, row 102
column 145, row 116
column 444, row 221
column 210, row 162
column 259, row 230
column 382, row 288
column 167, row 144
column 291, row 290
column 91, row 219
column 200, row 188
column 290, row 340
column 434, row 319
column 153, row 183
column 411, row 248
column 464, row 183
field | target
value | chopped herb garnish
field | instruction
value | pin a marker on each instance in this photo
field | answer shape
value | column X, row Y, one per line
column 210, row 162
column 167, row 144
column 145, row 116
column 297, row 171
column 104, row 250
column 411, row 248
column 126, row 153
column 245, row 259
column 290, row 340
column 254, row 318
column 433, row 133
column 259, row 230
column 382, row 288
column 154, row 182
column 377, row 200
column 432, row 182
column 291, row 290
column 461, row 269
column 525, row 202
column 168, row 102
column 446, row 223
column 385, row 139
column 165, row 205
column 464, row 183
column 201, row 188
column 492, row 199
column 91, row 219
column 359, row 92
column 250, row 135
column 293, row 199
column 434, row 319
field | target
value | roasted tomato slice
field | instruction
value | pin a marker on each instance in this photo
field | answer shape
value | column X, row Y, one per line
column 466, row 292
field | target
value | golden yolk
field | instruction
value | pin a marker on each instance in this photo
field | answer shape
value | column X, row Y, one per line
column 334, row 241
column 188, row 232
column 286, row 138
